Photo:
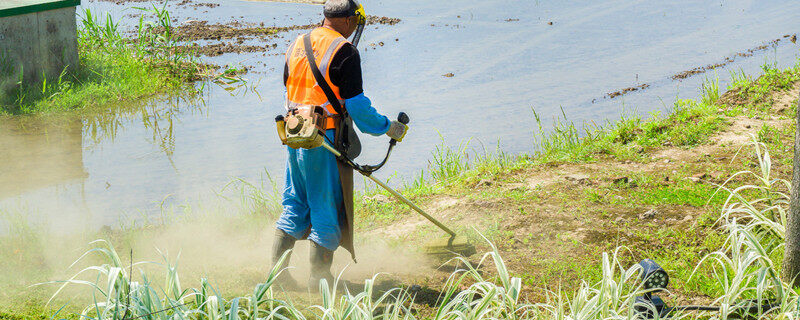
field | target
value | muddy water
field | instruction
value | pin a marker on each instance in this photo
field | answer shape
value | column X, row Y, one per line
column 501, row 58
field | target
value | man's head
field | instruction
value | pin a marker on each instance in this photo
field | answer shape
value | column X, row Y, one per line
column 344, row 16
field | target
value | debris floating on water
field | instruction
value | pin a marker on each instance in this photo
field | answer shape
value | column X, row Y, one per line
column 238, row 32
column 615, row 94
column 727, row 60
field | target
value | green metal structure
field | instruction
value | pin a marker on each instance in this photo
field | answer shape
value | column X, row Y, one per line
column 18, row 7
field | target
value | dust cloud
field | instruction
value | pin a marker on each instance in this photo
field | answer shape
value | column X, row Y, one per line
column 227, row 240
column 232, row 251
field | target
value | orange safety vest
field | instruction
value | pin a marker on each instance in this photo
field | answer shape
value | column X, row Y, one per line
column 301, row 87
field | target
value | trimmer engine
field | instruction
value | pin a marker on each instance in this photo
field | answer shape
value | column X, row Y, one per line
column 302, row 127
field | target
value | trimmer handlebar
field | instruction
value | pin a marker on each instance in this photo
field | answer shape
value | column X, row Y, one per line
column 402, row 117
column 367, row 170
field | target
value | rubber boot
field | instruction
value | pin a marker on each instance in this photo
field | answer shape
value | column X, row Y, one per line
column 321, row 260
column 283, row 242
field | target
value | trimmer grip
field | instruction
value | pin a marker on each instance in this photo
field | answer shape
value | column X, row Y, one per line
column 402, row 117
column 280, row 123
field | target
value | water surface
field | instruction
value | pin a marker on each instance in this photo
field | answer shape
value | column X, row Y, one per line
column 505, row 56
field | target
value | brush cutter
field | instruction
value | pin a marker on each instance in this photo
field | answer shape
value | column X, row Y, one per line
column 440, row 249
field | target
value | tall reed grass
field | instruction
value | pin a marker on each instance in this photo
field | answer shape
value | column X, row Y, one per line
column 118, row 296
column 746, row 267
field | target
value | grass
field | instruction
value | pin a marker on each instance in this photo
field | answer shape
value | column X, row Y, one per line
column 448, row 163
column 743, row 268
column 538, row 264
column 112, row 68
column 691, row 122
column 710, row 91
column 254, row 198
column 688, row 124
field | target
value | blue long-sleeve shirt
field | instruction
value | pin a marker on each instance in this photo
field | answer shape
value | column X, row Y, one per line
column 366, row 118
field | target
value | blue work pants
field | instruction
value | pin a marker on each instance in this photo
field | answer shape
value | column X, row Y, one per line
column 312, row 196
column 313, row 192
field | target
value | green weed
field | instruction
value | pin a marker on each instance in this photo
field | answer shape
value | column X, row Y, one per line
column 709, row 91
column 689, row 124
column 739, row 79
column 768, row 134
column 448, row 163
column 563, row 143
column 757, row 94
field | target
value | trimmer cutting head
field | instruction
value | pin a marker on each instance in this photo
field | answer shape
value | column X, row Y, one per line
column 446, row 248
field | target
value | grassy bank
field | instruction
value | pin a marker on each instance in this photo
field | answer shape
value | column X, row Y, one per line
column 637, row 188
column 113, row 68
column 588, row 189
column 744, row 266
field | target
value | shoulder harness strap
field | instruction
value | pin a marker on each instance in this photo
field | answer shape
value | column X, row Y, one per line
column 318, row 76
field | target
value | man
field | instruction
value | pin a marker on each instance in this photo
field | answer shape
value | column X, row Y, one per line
column 317, row 198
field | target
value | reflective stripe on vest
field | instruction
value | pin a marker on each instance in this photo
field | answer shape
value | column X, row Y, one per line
column 301, row 87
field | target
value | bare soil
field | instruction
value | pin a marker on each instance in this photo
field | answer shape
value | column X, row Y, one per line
column 202, row 30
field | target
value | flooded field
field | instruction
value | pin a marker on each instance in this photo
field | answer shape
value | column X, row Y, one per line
column 467, row 70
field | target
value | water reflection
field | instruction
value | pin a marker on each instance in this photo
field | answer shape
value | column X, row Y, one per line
column 157, row 116
column 100, row 165
column 48, row 151
column 504, row 57
column 38, row 152
column 50, row 162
